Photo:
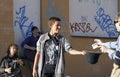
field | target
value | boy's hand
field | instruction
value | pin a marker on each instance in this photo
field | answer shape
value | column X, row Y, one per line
column 8, row 70
column 104, row 49
column 19, row 61
column 98, row 42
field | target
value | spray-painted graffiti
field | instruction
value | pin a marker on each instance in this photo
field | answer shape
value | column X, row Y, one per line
column 21, row 21
column 53, row 11
column 105, row 22
column 82, row 27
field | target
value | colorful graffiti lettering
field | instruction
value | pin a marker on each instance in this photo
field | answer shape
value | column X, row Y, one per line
column 105, row 22
column 21, row 20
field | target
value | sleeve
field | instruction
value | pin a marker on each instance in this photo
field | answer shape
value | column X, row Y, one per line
column 111, row 44
column 38, row 46
column 111, row 54
column 2, row 70
column 67, row 45
column 2, row 66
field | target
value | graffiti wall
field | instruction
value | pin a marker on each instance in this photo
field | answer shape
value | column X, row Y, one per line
column 26, row 15
column 93, row 18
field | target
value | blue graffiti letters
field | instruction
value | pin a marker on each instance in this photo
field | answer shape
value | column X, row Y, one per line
column 21, row 20
column 105, row 22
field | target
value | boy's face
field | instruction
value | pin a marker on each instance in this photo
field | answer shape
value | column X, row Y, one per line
column 55, row 28
column 118, row 26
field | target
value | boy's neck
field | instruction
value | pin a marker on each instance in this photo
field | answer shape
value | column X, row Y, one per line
column 53, row 34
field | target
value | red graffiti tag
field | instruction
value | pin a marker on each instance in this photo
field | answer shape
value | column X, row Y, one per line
column 84, row 27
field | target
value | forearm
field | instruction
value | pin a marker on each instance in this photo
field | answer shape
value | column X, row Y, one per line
column 36, row 60
column 75, row 52
column 28, row 47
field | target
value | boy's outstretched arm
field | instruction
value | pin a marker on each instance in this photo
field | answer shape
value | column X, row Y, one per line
column 76, row 52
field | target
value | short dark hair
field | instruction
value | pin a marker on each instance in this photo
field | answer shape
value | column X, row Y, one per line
column 115, row 22
column 117, row 19
column 52, row 20
column 34, row 27
column 55, row 18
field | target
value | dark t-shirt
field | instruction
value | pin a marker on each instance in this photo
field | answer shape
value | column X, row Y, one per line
column 51, row 55
column 31, row 41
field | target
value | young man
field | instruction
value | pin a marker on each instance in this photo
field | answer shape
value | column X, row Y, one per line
column 49, row 59
column 29, row 45
column 109, row 47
